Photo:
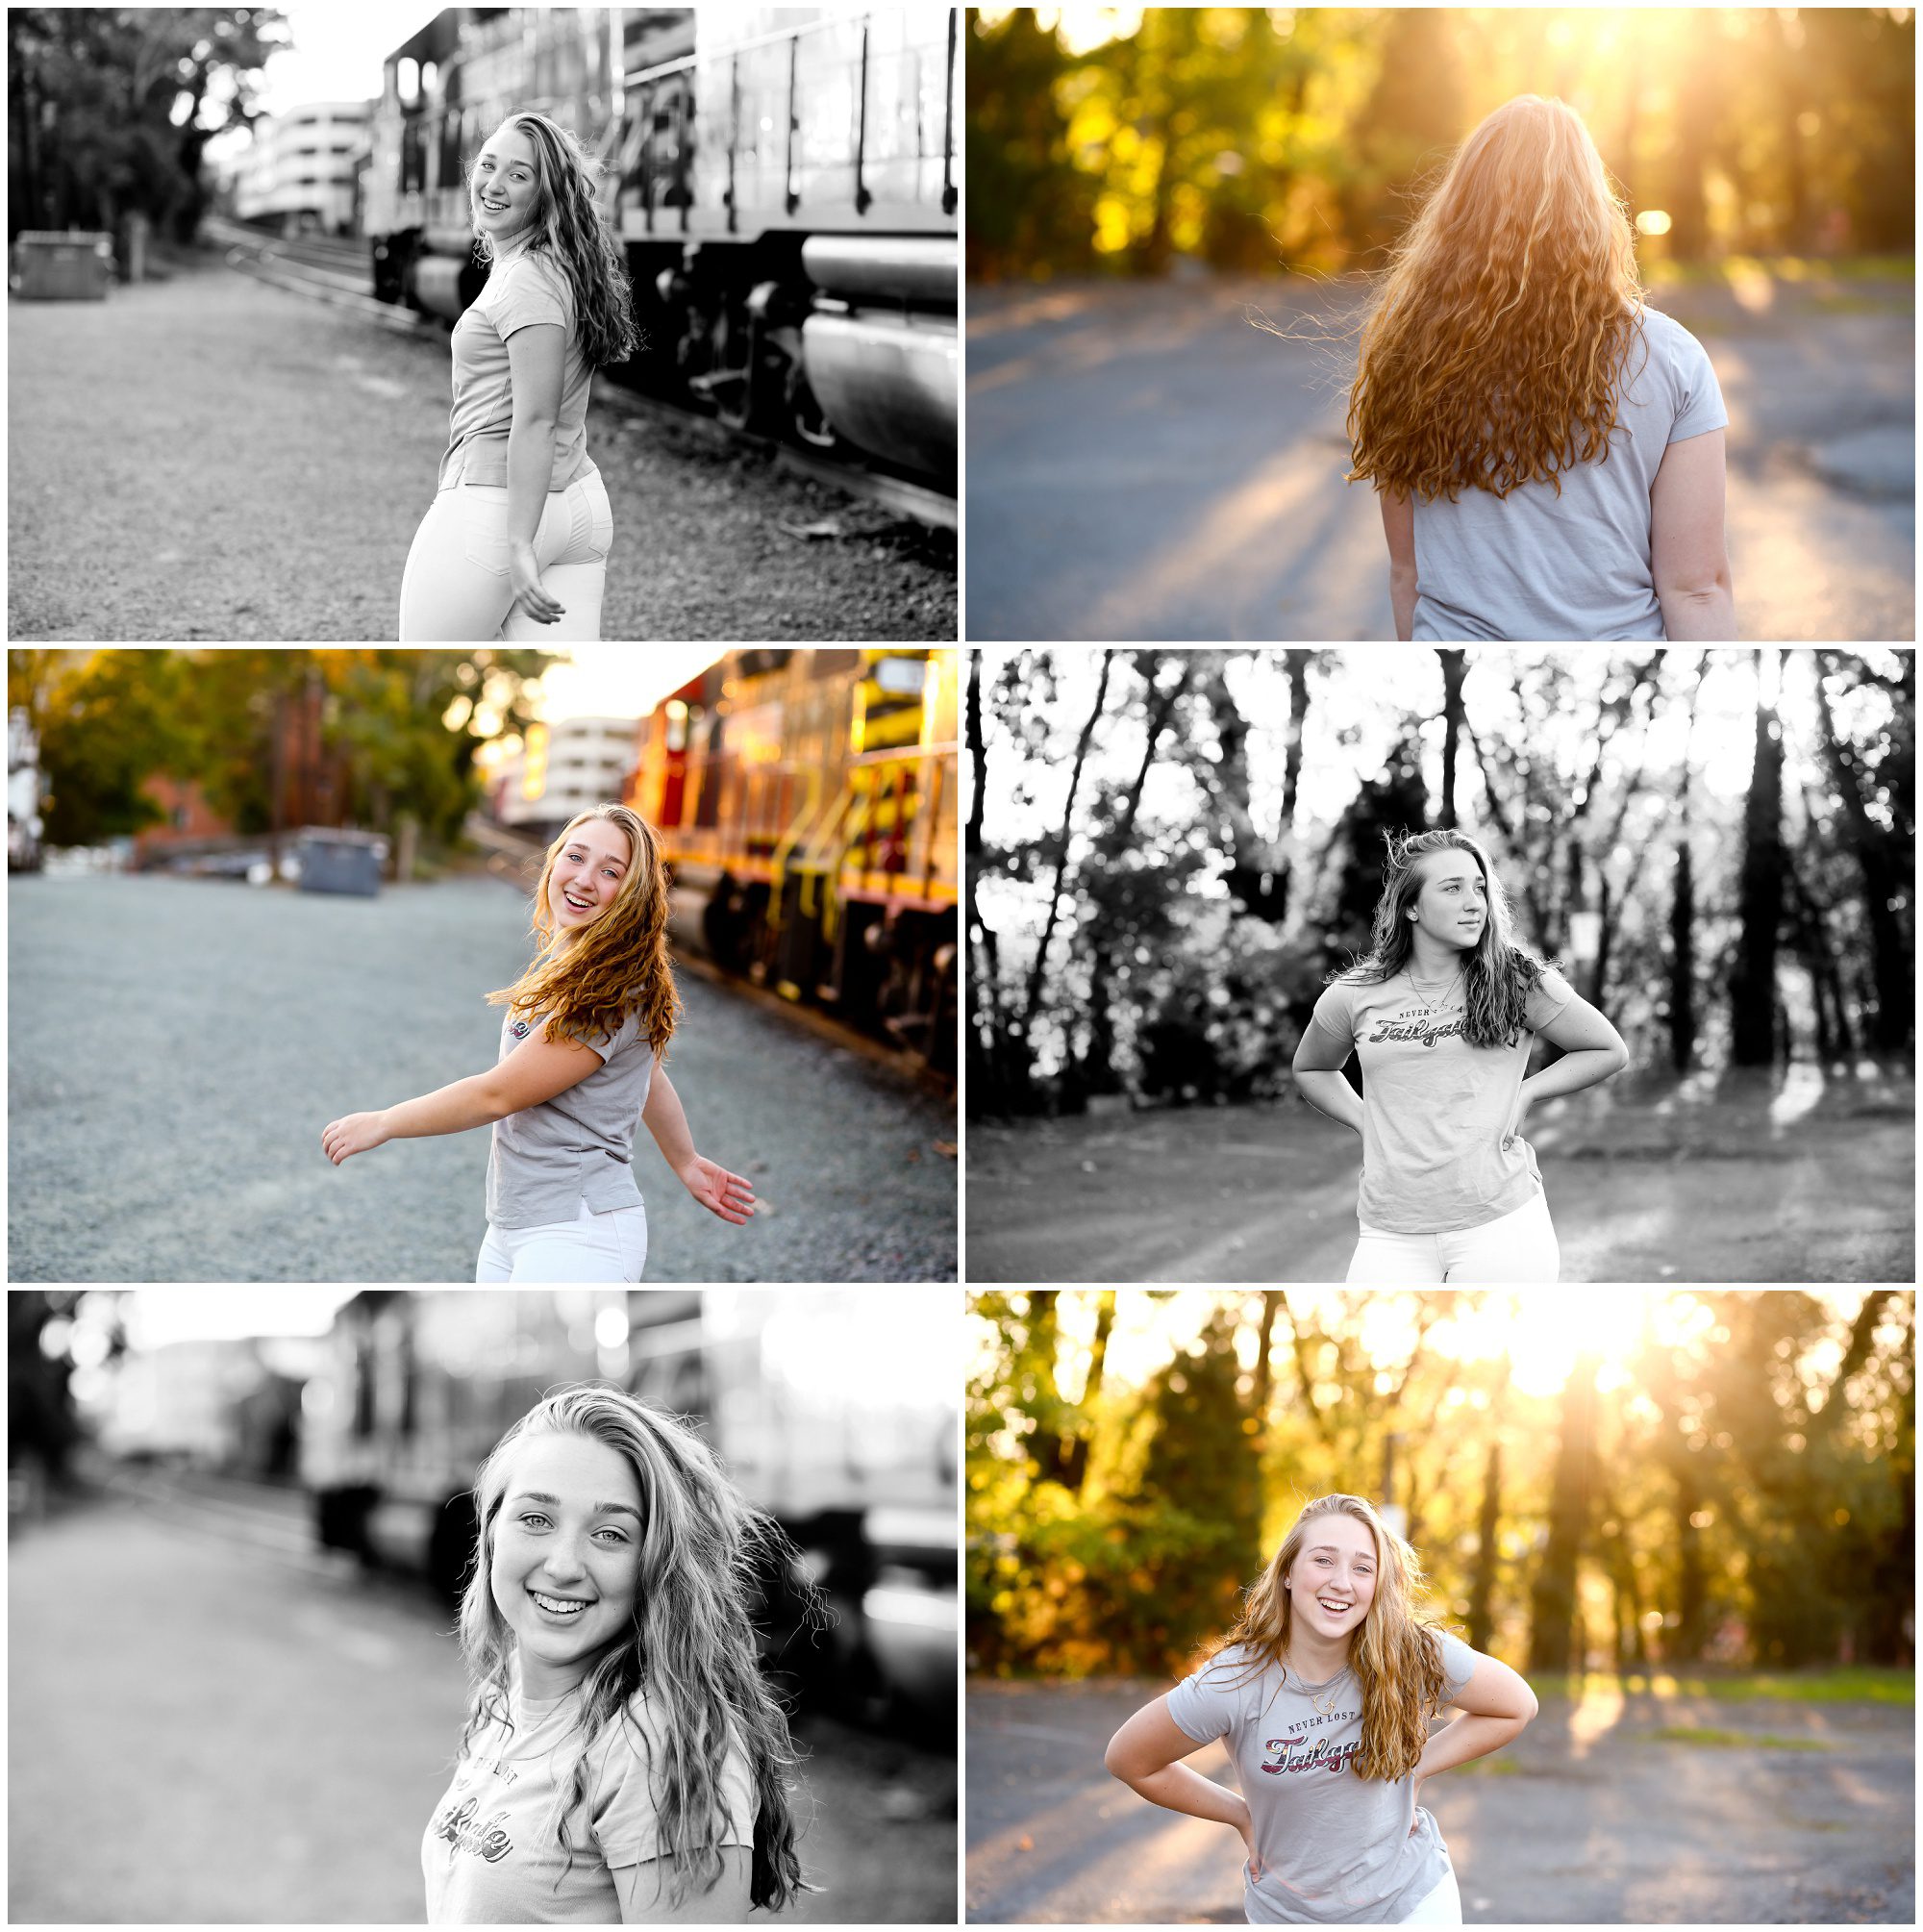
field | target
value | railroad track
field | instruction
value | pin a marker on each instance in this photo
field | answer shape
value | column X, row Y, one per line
column 266, row 258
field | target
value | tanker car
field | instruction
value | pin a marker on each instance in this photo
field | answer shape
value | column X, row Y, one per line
column 783, row 180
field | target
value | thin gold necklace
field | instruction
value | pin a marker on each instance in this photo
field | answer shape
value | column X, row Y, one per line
column 1423, row 993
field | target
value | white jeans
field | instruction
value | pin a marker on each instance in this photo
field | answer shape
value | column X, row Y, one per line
column 1518, row 1246
column 1441, row 1907
column 608, row 1246
column 455, row 590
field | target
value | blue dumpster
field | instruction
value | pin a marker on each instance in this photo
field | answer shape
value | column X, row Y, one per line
column 50, row 265
column 341, row 862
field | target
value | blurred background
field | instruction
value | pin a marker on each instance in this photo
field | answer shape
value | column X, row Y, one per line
column 1688, row 1519
column 1169, row 852
column 293, row 876
column 237, row 1524
column 249, row 228
column 1145, row 184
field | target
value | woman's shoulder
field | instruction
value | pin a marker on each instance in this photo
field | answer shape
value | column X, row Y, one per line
column 1235, row 1664
column 534, row 273
column 1679, row 353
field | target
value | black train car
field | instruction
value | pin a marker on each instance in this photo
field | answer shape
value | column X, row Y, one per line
column 785, row 183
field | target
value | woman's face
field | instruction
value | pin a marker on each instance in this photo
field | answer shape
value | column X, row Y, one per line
column 1333, row 1580
column 587, row 874
column 504, row 187
column 1452, row 904
column 565, row 1569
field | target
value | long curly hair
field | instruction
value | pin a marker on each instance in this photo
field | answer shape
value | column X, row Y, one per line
column 690, row 1647
column 1396, row 1661
column 568, row 228
column 1499, row 972
column 587, row 981
column 1494, row 350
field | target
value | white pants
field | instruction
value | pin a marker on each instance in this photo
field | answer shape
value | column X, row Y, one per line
column 608, row 1246
column 455, row 590
column 1441, row 1907
column 1519, row 1247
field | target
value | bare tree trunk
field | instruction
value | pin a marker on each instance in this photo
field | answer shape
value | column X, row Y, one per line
column 1482, row 1578
column 1455, row 668
column 1683, row 939
column 1031, row 1004
column 1753, row 984
column 1554, row 1621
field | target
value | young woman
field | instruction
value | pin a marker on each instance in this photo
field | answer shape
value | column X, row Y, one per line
column 1548, row 450
column 1442, row 1014
column 623, row 1760
column 1322, row 1694
column 516, row 542
column 581, row 1057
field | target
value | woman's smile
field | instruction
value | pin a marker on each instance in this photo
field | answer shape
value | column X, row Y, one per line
column 586, row 877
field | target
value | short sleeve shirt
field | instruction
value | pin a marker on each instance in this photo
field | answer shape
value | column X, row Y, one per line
column 491, row 1854
column 1336, row 1849
column 579, row 1146
column 1539, row 567
column 1435, row 1109
column 526, row 290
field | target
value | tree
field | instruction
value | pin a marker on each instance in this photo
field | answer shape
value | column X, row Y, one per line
column 1555, row 1629
column 1753, row 981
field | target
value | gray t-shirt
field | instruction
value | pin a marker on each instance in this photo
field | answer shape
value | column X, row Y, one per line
column 547, row 1158
column 1434, row 1107
column 1337, row 1849
column 1535, row 567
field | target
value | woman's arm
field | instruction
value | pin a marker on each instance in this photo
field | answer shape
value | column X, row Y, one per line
column 537, row 361
column 1688, row 552
column 711, row 1184
column 1399, row 527
column 1593, row 1051
column 1317, row 1067
column 643, row 1892
column 537, row 1069
column 1143, row 1754
column 1496, row 1705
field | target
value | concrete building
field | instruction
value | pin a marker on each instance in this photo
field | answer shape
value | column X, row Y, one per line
column 301, row 170
column 563, row 768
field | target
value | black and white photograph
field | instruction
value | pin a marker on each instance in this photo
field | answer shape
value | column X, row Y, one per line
column 1395, row 965
column 577, row 1605
column 420, row 325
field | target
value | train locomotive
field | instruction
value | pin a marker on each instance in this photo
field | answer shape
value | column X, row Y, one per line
column 808, row 808
column 783, row 181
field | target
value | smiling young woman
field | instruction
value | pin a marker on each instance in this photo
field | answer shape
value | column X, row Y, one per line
column 516, row 542
column 623, row 1761
column 580, row 1061
column 1323, row 1694
column 1442, row 1014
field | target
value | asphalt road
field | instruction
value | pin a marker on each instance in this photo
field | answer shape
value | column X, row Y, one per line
column 176, row 1047
column 200, row 1734
column 1145, row 463
column 1639, row 1192
column 1804, row 1814
column 209, row 456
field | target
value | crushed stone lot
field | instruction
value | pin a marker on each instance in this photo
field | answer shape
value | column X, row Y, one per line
column 207, row 457
column 176, row 1047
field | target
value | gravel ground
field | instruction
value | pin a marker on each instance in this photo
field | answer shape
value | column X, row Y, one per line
column 1600, row 1814
column 177, row 1045
column 209, row 456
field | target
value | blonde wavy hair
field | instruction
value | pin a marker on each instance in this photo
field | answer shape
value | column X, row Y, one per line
column 1396, row 1661
column 1500, row 971
column 567, row 227
column 1493, row 352
column 691, row 1647
column 586, row 982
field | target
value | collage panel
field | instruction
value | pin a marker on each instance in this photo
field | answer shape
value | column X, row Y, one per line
column 1442, row 324
column 485, row 965
column 1231, row 1552
column 1463, row 967
column 483, row 1606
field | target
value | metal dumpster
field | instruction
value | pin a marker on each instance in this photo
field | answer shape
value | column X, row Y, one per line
column 341, row 862
column 53, row 266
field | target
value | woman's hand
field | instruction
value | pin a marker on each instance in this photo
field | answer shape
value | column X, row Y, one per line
column 353, row 1134
column 1517, row 1116
column 1248, row 1832
column 524, row 575
column 719, row 1191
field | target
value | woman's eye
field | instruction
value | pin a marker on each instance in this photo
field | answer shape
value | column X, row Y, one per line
column 531, row 1520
